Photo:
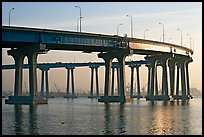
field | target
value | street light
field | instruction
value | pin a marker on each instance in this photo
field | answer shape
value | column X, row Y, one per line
column 118, row 27
column 160, row 37
column 190, row 40
column 10, row 15
column 181, row 36
column 79, row 16
column 163, row 30
column 131, row 25
column 78, row 23
column 144, row 32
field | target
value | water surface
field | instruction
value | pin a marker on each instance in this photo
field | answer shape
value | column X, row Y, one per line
column 84, row 116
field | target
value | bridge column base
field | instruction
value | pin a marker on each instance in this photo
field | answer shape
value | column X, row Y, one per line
column 48, row 96
column 115, row 99
column 70, row 96
column 180, row 97
column 25, row 100
column 158, row 97
column 93, row 96
column 166, row 98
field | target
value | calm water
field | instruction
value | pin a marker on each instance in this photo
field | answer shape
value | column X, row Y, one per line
column 62, row 116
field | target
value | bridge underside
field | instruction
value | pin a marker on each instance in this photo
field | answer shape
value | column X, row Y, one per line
column 30, row 42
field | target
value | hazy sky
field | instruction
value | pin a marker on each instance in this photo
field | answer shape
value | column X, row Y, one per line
column 103, row 17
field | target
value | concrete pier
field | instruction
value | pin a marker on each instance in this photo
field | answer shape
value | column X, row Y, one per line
column 19, row 55
column 137, row 80
column 92, row 81
column 70, row 69
column 44, row 71
column 108, row 57
column 156, row 60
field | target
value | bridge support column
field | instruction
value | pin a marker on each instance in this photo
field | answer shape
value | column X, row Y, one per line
column 187, row 76
column 152, row 77
column 171, row 64
column 161, row 60
column 115, row 66
column 97, row 84
column 108, row 63
column 70, row 69
column 132, row 79
column 132, row 66
column 45, row 72
column 18, row 58
column 177, row 79
column 149, row 79
column 108, row 57
column 138, row 81
column 18, row 55
column 118, row 79
column 47, row 83
column 183, row 65
column 42, row 83
column 113, row 78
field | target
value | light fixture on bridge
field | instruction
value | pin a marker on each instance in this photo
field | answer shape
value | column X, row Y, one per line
column 190, row 40
column 10, row 16
column 78, row 24
column 163, row 30
column 144, row 32
column 118, row 27
column 79, row 17
column 131, row 25
column 181, row 36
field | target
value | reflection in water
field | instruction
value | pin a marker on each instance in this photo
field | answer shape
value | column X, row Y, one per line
column 165, row 119
column 32, row 120
column 20, row 122
column 83, row 116
column 18, row 119
column 110, row 117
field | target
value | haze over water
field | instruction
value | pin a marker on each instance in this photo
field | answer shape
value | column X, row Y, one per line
column 62, row 116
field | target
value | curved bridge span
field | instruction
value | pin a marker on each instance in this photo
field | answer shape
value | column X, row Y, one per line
column 33, row 41
column 17, row 37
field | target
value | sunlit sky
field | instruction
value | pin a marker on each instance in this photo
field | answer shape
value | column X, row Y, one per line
column 103, row 18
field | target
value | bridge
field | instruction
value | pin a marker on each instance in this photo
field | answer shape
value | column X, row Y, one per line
column 45, row 67
column 33, row 41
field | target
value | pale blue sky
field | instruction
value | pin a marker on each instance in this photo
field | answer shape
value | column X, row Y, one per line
column 103, row 17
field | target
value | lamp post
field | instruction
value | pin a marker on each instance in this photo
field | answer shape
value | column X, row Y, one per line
column 181, row 36
column 144, row 32
column 79, row 17
column 163, row 30
column 118, row 27
column 10, row 15
column 190, row 40
column 131, row 25
column 160, row 37
column 78, row 23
